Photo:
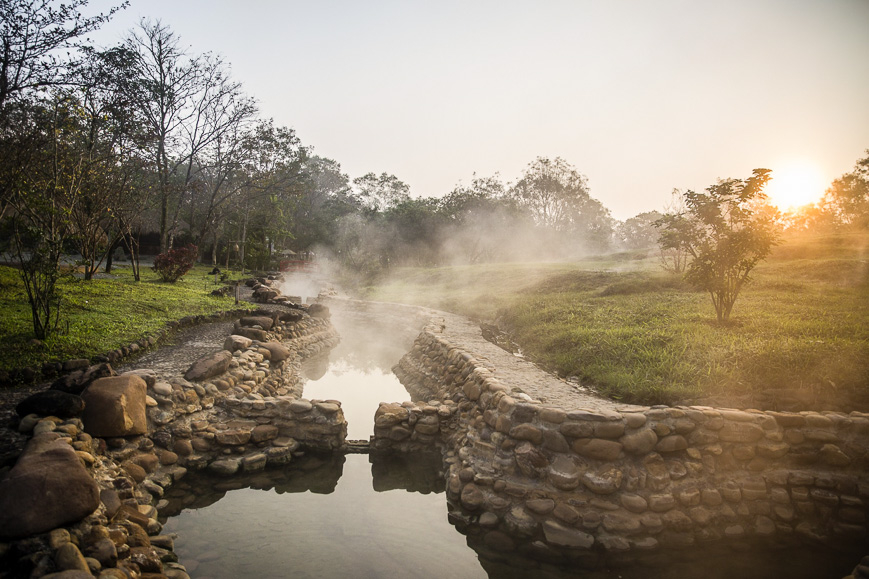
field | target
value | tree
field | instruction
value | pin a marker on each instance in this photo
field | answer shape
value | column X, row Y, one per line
column 379, row 193
column 188, row 104
column 482, row 221
column 33, row 35
column 557, row 196
column 639, row 232
column 42, row 193
column 848, row 196
column 108, row 145
column 553, row 191
column 725, row 235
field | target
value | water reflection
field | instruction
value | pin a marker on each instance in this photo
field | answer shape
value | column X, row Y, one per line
column 516, row 556
column 358, row 371
column 365, row 524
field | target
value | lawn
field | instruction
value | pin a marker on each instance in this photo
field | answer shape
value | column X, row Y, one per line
column 101, row 314
column 623, row 326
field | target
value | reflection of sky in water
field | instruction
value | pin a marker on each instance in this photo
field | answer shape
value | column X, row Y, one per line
column 352, row 532
column 360, row 393
column 358, row 371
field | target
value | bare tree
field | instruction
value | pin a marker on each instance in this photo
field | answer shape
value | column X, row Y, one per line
column 34, row 34
column 189, row 104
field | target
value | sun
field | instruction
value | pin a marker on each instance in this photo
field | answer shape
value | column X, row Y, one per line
column 795, row 184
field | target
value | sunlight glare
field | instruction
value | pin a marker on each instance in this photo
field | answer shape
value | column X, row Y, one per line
column 795, row 185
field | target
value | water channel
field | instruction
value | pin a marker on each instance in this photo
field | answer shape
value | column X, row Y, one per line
column 367, row 516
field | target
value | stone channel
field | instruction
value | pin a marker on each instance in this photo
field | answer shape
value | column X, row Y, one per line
column 536, row 469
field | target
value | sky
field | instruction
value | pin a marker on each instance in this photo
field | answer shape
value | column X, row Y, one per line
column 641, row 97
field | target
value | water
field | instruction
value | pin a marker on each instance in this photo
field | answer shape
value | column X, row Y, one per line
column 321, row 517
column 358, row 372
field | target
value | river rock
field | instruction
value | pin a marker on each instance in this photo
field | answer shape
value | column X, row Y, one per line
column 209, row 366
column 278, row 351
column 564, row 474
column 604, row 482
column 236, row 342
column 263, row 322
column 69, row 558
column 225, row 466
column 47, row 488
column 115, row 407
column 641, row 442
column 253, row 334
column 558, row 534
column 319, row 311
column 263, row 432
column 598, row 448
column 472, row 497
column 51, row 403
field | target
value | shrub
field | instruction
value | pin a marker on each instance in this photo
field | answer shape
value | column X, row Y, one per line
column 172, row 265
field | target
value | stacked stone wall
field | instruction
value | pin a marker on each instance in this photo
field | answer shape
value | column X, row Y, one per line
column 617, row 478
column 238, row 410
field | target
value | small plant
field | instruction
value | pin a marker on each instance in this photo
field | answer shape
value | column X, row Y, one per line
column 172, row 265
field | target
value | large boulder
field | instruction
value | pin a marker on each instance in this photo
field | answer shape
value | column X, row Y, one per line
column 51, row 403
column 115, row 406
column 209, row 366
column 48, row 487
column 278, row 351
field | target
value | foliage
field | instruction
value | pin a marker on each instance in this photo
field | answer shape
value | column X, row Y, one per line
column 379, row 193
column 848, row 196
column 636, row 334
column 172, row 265
column 639, row 232
column 726, row 234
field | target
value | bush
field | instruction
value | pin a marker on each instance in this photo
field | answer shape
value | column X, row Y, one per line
column 172, row 265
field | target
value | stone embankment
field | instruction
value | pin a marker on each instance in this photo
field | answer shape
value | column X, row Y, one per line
column 83, row 498
column 538, row 467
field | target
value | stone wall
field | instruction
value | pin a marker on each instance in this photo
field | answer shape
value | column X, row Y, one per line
column 237, row 410
column 620, row 478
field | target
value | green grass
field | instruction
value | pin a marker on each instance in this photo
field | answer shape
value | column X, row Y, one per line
column 637, row 334
column 102, row 314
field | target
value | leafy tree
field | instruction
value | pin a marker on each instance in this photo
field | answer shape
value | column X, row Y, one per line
column 557, row 196
column 109, row 142
column 379, row 193
column 639, row 232
column 848, row 196
column 481, row 221
column 675, row 232
column 42, row 193
column 553, row 191
column 725, row 235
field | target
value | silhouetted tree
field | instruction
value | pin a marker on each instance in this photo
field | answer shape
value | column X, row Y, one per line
column 725, row 236
column 848, row 196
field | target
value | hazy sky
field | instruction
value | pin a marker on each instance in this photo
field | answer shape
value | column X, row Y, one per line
column 640, row 96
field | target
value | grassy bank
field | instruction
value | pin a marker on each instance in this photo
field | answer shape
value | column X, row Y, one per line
column 101, row 314
column 635, row 333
